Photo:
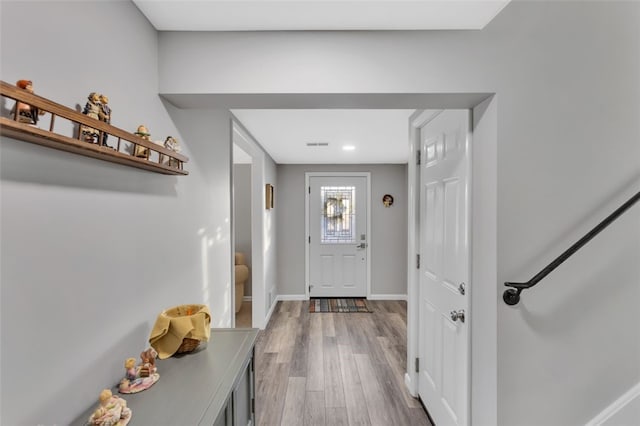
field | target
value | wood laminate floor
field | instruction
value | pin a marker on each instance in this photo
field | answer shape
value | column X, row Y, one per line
column 243, row 316
column 335, row 368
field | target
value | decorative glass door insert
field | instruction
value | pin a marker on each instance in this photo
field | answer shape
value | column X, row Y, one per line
column 338, row 215
column 337, row 227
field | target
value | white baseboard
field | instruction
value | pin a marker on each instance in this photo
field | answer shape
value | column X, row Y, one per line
column 388, row 297
column 409, row 384
column 247, row 298
column 273, row 307
column 284, row 297
column 630, row 400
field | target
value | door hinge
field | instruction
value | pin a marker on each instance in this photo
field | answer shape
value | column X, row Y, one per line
column 309, row 190
column 253, row 405
column 417, row 365
column 417, row 261
column 309, row 239
column 418, row 156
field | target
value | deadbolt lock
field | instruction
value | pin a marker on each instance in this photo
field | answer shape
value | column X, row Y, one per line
column 462, row 288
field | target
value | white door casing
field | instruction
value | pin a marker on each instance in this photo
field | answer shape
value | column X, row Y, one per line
column 337, row 234
column 443, row 338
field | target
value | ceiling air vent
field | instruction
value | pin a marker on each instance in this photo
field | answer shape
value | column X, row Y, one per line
column 317, row 143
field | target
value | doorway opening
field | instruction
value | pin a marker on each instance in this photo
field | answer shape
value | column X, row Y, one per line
column 253, row 252
column 482, row 399
column 242, row 194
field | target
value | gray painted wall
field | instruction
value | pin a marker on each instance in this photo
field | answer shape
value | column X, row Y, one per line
column 93, row 251
column 388, row 226
column 627, row 416
column 567, row 90
column 242, row 215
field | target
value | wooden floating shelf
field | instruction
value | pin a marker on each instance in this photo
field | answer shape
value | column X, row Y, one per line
column 29, row 133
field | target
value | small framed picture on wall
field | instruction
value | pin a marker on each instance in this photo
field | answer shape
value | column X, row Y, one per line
column 269, row 196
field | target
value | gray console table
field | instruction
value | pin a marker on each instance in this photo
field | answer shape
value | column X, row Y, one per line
column 211, row 386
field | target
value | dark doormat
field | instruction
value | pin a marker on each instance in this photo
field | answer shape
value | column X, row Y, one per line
column 346, row 305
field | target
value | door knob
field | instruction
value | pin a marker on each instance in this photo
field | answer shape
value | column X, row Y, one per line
column 457, row 315
column 361, row 245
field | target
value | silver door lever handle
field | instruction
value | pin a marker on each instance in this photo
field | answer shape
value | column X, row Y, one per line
column 361, row 245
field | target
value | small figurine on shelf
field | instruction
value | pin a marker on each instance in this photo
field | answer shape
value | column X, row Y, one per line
column 113, row 411
column 105, row 115
column 91, row 109
column 25, row 113
column 172, row 144
column 142, row 377
column 142, row 151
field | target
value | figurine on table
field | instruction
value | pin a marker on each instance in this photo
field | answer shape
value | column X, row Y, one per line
column 142, row 151
column 172, row 144
column 91, row 109
column 112, row 411
column 139, row 378
column 148, row 365
column 25, row 113
column 104, row 115
column 130, row 367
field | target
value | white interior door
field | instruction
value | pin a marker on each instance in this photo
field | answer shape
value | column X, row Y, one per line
column 337, row 226
column 443, row 382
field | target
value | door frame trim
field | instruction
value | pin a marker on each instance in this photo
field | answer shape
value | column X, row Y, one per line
column 418, row 119
column 421, row 121
column 484, row 287
column 309, row 175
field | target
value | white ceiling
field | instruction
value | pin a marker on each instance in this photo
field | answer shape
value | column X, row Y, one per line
column 270, row 15
column 377, row 136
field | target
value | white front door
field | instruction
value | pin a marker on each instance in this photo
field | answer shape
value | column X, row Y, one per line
column 337, row 236
column 443, row 382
